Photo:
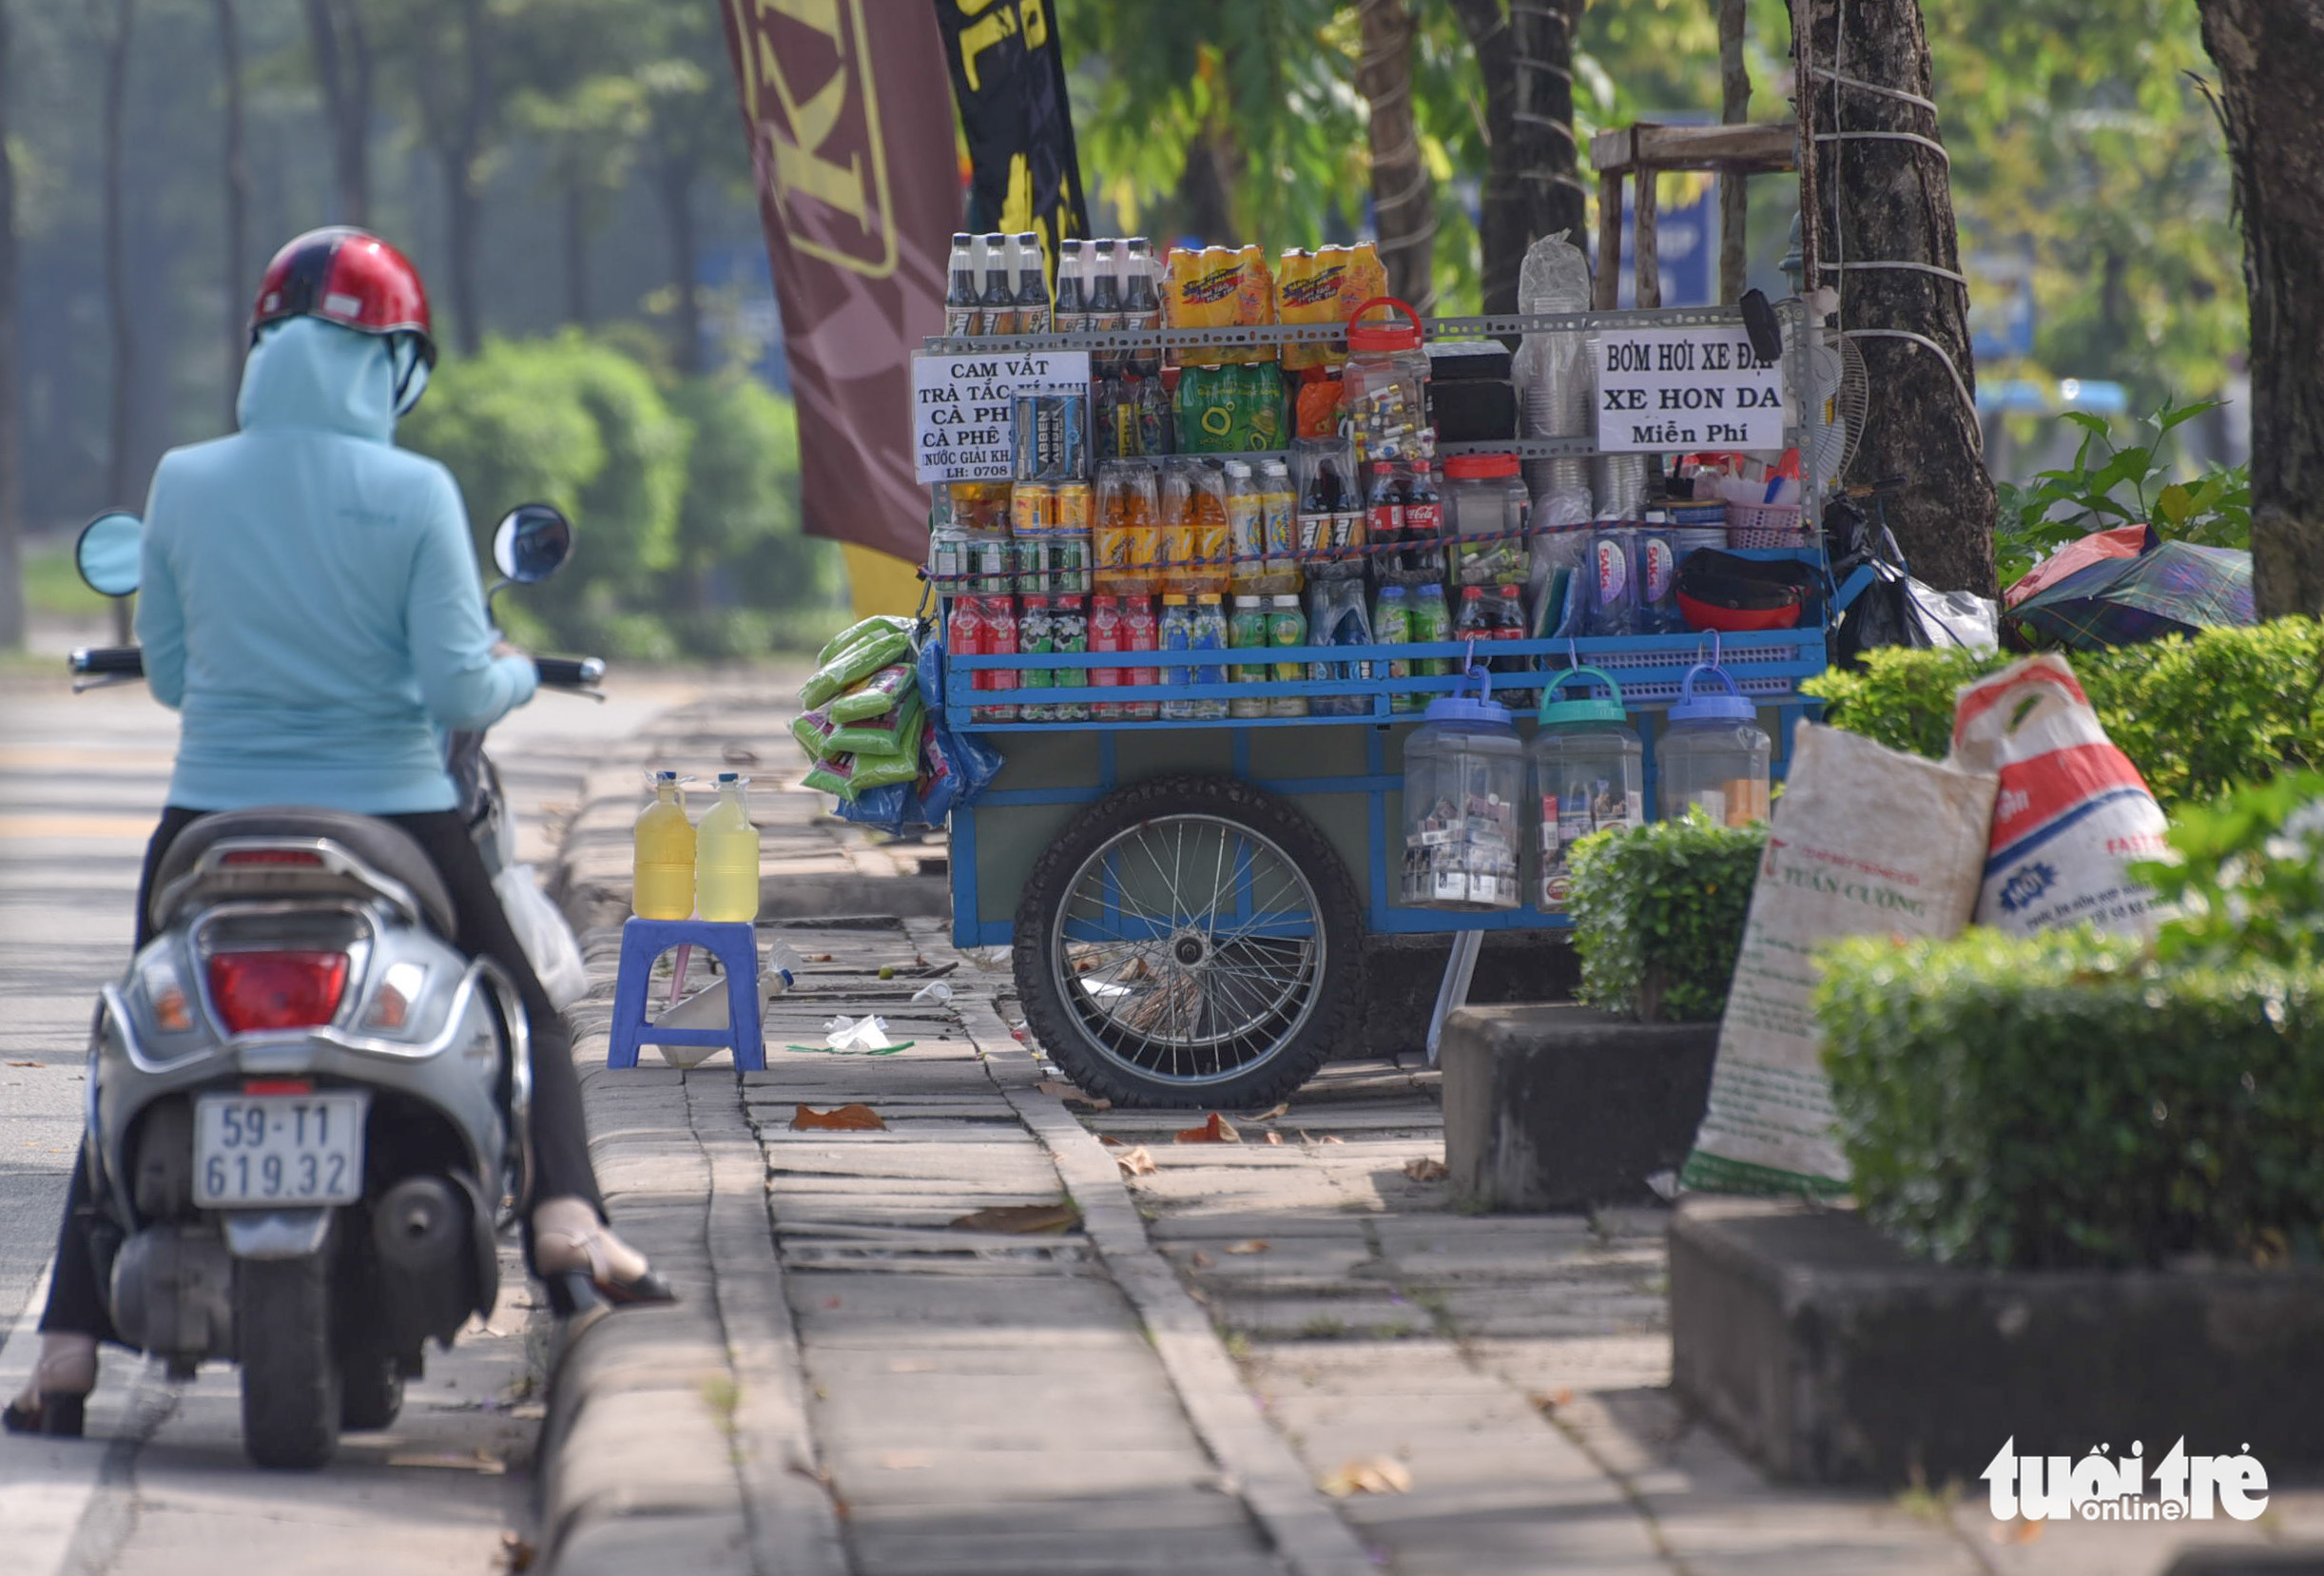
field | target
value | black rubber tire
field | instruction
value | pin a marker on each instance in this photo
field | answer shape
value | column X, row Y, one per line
column 291, row 1395
column 369, row 1389
column 1339, row 989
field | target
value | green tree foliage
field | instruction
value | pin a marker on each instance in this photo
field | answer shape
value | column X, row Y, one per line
column 682, row 498
column 2110, row 483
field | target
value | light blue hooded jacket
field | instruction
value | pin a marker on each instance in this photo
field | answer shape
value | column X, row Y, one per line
column 310, row 600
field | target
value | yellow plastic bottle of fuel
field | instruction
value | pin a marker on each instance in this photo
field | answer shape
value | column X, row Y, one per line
column 662, row 879
column 726, row 856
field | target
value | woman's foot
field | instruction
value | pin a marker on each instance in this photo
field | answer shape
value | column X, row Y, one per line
column 568, row 1240
column 54, row 1398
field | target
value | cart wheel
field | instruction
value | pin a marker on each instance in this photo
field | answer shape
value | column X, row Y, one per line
column 1189, row 940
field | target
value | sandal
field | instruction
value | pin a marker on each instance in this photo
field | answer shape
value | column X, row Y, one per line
column 569, row 1290
column 58, row 1415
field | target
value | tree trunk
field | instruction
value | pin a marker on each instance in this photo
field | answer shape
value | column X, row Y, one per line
column 116, row 104
column 463, row 200
column 343, row 65
column 238, row 204
column 1206, row 189
column 576, row 250
column 2270, row 59
column 1879, row 201
column 1526, row 56
column 12, row 408
column 676, row 190
column 1403, row 197
column 1734, row 190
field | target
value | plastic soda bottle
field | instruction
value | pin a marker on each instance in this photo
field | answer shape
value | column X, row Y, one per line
column 1210, row 634
column 1032, row 284
column 726, row 856
column 1279, row 526
column 1246, row 628
column 1206, row 534
column 1246, row 531
column 662, row 879
column 1106, row 634
column 1140, row 633
column 999, row 293
column 1177, row 634
column 1392, row 625
column 1286, row 625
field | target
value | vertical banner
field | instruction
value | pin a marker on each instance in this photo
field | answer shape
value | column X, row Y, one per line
column 1008, row 74
column 851, row 147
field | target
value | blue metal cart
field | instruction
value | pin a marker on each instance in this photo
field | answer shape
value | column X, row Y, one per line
column 1187, row 901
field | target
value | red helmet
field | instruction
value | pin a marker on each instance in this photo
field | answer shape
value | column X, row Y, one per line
column 349, row 277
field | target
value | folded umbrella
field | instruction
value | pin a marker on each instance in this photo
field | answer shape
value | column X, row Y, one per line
column 2177, row 589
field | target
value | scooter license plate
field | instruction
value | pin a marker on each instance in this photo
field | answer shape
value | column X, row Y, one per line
column 290, row 1149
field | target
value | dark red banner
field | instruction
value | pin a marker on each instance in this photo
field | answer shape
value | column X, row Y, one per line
column 851, row 144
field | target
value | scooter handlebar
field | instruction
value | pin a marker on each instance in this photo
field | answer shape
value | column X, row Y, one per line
column 110, row 661
column 566, row 672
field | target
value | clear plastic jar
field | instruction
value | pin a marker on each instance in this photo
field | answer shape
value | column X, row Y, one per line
column 1465, row 774
column 1712, row 755
column 1588, row 771
column 1383, row 387
column 1486, row 498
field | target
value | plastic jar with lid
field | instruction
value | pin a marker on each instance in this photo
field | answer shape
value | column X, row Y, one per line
column 1486, row 496
column 1465, row 774
column 1712, row 755
column 1383, row 387
column 1588, row 771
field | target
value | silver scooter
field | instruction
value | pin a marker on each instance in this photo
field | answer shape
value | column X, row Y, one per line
column 307, row 1110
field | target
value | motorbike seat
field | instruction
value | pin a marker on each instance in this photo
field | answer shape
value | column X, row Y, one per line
column 388, row 850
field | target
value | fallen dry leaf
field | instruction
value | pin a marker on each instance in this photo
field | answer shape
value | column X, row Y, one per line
column 1112, row 1142
column 1552, row 1400
column 1283, row 1110
column 2015, row 1532
column 1201, row 1260
column 1072, row 1096
column 28, row 1065
column 1021, row 1219
column 1331, row 1138
column 1274, row 1137
column 516, row 1554
column 1136, row 1163
column 1215, row 1129
column 840, row 1118
column 1379, row 1475
column 1426, row 1169
column 1250, row 1245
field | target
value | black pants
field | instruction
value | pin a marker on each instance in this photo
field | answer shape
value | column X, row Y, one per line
column 560, row 1136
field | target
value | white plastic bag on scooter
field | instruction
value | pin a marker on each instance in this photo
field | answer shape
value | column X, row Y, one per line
column 549, row 942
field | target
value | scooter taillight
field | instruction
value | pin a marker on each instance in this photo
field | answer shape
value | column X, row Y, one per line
column 277, row 990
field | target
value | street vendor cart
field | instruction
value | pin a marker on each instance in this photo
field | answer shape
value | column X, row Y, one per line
column 1188, row 900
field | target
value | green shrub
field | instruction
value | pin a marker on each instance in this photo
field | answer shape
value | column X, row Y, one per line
column 2196, row 717
column 682, row 493
column 747, row 577
column 2065, row 1099
column 1658, row 914
column 2245, row 877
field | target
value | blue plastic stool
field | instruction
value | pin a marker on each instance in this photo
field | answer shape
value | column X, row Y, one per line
column 734, row 943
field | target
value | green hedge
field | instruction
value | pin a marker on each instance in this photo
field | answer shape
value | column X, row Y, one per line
column 1658, row 914
column 2065, row 1099
column 2196, row 717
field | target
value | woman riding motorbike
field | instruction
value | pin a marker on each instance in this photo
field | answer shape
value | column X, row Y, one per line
column 311, row 606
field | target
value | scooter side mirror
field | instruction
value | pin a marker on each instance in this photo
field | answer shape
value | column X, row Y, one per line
column 531, row 543
column 110, row 551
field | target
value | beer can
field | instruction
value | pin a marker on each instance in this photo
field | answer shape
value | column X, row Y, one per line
column 992, row 565
column 1070, row 426
column 1032, row 508
column 1068, row 564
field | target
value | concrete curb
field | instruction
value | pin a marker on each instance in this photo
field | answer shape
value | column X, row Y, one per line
column 676, row 1438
